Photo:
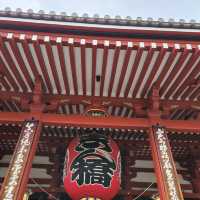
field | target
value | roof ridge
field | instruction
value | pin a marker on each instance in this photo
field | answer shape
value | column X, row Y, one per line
column 96, row 18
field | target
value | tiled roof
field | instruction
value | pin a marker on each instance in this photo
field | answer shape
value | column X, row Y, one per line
column 96, row 19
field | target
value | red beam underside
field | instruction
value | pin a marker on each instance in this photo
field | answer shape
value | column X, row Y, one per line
column 83, row 67
column 133, row 70
column 187, row 83
column 103, row 71
column 174, row 71
column 143, row 71
column 184, row 72
column 63, row 68
column 153, row 71
column 10, row 62
column 166, row 67
column 124, row 69
column 15, row 49
column 38, row 52
column 94, row 63
column 113, row 71
column 53, row 66
column 100, row 122
column 73, row 68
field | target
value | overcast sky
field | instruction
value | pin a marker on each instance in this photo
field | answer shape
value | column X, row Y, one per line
column 177, row 9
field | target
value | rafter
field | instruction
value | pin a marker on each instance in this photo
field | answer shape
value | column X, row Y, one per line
column 83, row 67
column 187, row 82
column 167, row 65
column 133, row 70
column 103, row 71
column 73, row 68
column 184, row 73
column 143, row 71
column 10, row 62
column 113, row 70
column 22, row 65
column 175, row 70
column 154, row 71
column 123, row 72
column 51, row 61
column 63, row 68
column 38, row 52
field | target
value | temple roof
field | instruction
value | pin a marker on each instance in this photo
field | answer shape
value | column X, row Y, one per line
column 78, row 69
column 98, row 20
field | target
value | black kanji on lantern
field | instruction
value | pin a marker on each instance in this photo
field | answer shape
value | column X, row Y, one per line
column 94, row 164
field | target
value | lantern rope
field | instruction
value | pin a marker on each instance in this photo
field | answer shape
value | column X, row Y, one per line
column 42, row 189
column 143, row 192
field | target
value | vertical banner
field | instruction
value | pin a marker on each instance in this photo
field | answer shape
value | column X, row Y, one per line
column 168, row 170
column 14, row 179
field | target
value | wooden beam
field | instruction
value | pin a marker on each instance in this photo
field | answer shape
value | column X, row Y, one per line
column 100, row 122
column 77, row 99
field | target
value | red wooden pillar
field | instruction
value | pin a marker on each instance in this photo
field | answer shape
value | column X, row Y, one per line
column 15, row 182
column 167, row 180
column 168, row 184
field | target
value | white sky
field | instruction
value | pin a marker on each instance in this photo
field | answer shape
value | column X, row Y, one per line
column 177, row 9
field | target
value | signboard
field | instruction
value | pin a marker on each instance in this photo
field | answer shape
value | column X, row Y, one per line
column 12, row 182
column 167, row 164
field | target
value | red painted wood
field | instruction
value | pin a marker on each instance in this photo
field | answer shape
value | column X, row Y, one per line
column 15, row 49
column 6, row 73
column 9, row 60
column 157, row 167
column 25, row 170
column 184, row 72
column 63, row 68
column 195, row 93
column 27, row 52
column 83, row 67
column 174, row 71
column 53, row 66
column 166, row 67
column 113, row 71
column 8, row 95
column 143, row 71
column 123, row 71
column 94, row 63
column 4, row 83
column 73, row 67
column 103, row 71
column 124, row 40
column 38, row 52
column 163, row 187
column 187, row 82
column 104, row 122
column 191, row 90
column 133, row 71
column 63, row 27
column 153, row 71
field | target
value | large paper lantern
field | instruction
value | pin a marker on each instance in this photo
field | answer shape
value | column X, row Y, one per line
column 92, row 168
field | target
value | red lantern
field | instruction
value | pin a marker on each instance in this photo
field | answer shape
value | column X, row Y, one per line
column 92, row 168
